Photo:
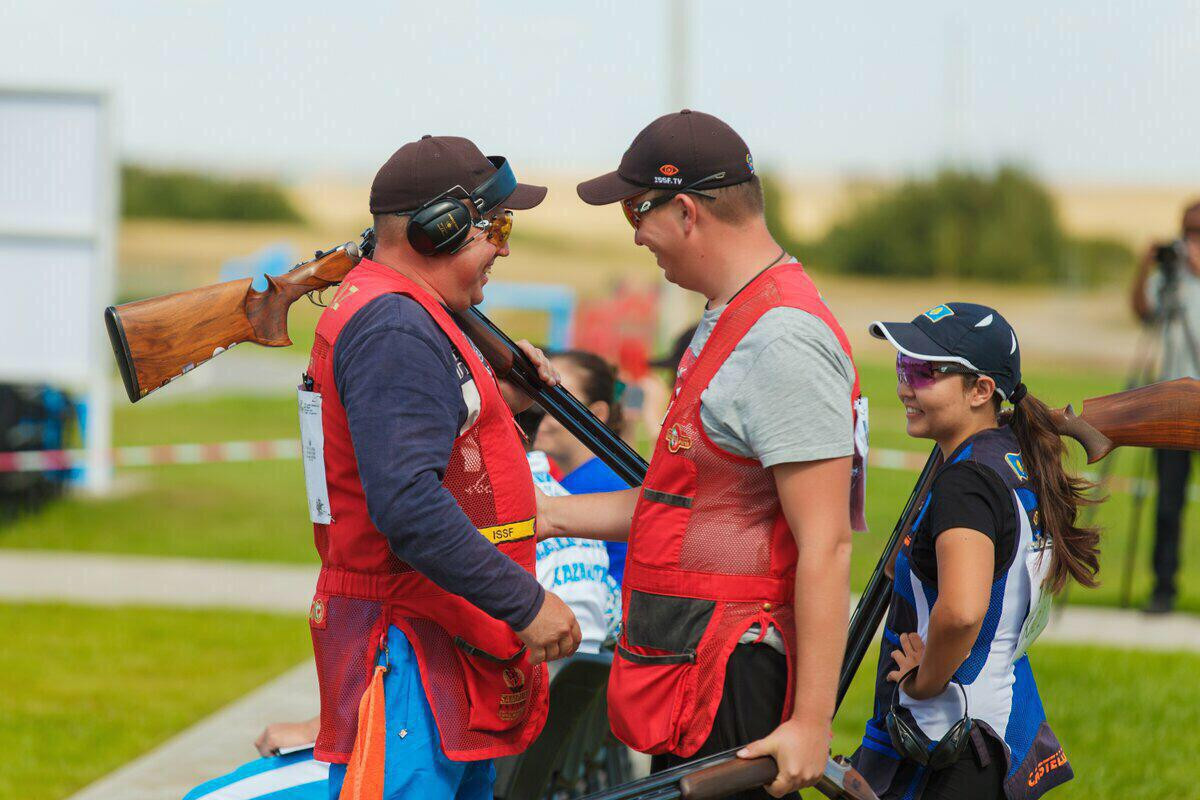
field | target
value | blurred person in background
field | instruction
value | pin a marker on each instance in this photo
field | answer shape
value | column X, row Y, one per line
column 956, row 712
column 1166, row 292
column 736, row 584
column 648, row 398
column 594, row 381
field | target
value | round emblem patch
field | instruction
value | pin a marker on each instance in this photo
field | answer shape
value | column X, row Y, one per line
column 317, row 612
column 513, row 678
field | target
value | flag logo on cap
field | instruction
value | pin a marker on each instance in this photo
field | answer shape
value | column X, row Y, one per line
column 939, row 313
column 669, row 170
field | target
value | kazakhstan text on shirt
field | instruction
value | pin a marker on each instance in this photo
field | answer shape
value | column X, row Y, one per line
column 548, row 546
column 579, row 571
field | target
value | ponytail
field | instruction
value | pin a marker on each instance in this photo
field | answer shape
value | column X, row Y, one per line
column 1075, row 551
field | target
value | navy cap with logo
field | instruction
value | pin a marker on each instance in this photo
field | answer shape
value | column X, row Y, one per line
column 674, row 151
column 968, row 334
column 427, row 168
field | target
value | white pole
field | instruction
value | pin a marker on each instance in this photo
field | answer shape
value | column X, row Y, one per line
column 97, row 479
column 675, row 311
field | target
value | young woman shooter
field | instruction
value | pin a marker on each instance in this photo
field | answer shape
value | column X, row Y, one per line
column 957, row 712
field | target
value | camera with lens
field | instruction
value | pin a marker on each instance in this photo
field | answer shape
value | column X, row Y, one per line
column 1170, row 258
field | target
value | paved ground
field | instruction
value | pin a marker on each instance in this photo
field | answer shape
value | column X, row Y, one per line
column 143, row 580
column 200, row 583
column 224, row 740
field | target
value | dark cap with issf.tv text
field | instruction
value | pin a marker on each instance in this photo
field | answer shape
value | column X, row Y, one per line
column 673, row 152
column 429, row 167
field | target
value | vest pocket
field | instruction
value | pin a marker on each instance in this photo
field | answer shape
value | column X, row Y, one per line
column 663, row 511
column 498, row 686
column 653, row 673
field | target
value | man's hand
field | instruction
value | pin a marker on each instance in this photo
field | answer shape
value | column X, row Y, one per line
column 554, row 632
column 287, row 734
column 800, row 750
column 516, row 399
column 545, row 515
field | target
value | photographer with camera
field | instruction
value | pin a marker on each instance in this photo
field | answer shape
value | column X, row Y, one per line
column 1166, row 293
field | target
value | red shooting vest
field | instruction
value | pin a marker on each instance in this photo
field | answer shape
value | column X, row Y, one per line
column 710, row 552
column 486, row 697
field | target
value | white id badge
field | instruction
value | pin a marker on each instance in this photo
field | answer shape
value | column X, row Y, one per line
column 1037, row 562
column 312, row 450
column 858, row 470
column 1035, row 623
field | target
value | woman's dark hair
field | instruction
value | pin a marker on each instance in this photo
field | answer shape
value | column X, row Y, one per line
column 599, row 382
column 1075, row 550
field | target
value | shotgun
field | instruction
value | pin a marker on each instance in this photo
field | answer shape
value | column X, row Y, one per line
column 157, row 340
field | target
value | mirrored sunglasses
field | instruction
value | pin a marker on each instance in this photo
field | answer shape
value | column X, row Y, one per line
column 635, row 212
column 918, row 373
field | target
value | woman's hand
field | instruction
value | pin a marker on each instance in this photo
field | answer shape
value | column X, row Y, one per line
column 287, row 734
column 908, row 658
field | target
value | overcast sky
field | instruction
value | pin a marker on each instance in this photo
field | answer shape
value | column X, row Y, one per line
column 1082, row 90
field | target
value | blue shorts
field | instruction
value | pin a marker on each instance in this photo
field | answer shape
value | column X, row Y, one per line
column 415, row 765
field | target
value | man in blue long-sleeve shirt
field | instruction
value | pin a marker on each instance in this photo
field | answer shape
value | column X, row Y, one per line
column 427, row 543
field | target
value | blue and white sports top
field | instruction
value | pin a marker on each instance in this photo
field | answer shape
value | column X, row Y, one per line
column 996, row 675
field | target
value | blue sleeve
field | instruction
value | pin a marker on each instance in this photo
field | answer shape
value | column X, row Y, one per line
column 394, row 372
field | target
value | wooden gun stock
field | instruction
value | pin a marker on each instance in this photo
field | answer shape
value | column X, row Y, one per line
column 157, row 340
column 1162, row 415
column 840, row 781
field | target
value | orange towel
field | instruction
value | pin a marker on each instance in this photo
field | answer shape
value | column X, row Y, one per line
column 364, row 773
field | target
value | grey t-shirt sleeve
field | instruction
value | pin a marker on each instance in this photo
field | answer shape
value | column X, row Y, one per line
column 783, row 394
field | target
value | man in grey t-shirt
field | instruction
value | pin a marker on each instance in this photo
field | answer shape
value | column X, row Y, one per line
column 781, row 397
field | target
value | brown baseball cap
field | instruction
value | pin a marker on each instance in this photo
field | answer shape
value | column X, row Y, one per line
column 422, row 170
column 675, row 151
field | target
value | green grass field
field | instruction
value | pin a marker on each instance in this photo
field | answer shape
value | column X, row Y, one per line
column 1128, row 738
column 88, row 689
column 256, row 510
column 100, row 686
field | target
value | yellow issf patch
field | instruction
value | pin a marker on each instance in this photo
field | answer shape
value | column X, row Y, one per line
column 509, row 532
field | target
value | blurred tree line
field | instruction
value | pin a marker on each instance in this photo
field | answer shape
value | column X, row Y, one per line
column 180, row 194
column 959, row 224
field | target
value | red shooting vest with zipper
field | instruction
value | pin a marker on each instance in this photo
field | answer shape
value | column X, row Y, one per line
column 710, row 552
column 486, row 697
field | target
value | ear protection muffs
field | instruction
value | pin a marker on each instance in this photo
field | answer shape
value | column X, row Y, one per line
column 913, row 744
column 442, row 224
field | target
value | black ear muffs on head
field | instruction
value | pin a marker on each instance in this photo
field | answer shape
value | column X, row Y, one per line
column 443, row 223
column 439, row 226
